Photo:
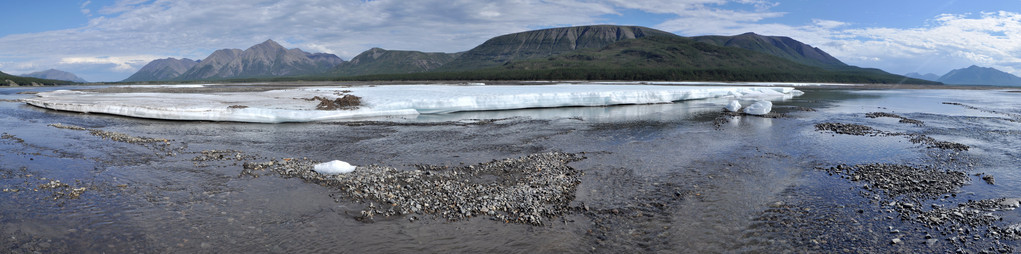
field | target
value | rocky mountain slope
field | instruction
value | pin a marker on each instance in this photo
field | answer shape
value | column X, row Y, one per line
column 55, row 75
column 680, row 58
column 382, row 61
column 778, row 46
column 162, row 70
column 544, row 43
column 267, row 59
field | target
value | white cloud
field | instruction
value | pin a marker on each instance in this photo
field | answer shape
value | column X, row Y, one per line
column 828, row 24
column 122, row 6
column 120, row 63
column 85, row 10
column 949, row 41
column 989, row 39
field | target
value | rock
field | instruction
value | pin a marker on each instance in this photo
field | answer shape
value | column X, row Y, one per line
column 759, row 108
column 733, row 106
column 1011, row 202
column 989, row 179
column 896, row 241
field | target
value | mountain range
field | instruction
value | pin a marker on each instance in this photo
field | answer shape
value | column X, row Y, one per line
column 973, row 75
column 263, row 60
column 582, row 52
column 55, row 75
column 267, row 59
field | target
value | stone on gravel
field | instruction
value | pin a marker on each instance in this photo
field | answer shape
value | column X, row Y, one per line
column 528, row 190
column 904, row 180
column 989, row 179
column 847, row 129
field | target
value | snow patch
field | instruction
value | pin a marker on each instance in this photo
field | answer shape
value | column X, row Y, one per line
column 333, row 168
column 759, row 108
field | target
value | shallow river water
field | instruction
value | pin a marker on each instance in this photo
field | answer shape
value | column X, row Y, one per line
column 675, row 178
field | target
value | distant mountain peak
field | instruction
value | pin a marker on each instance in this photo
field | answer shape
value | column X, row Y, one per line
column 55, row 74
column 927, row 76
column 976, row 75
column 267, row 47
column 271, row 43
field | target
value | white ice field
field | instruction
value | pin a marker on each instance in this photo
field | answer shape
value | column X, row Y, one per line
column 290, row 105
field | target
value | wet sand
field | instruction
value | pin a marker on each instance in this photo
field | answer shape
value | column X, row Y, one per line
column 683, row 177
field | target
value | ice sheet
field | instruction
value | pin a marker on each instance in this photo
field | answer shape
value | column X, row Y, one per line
column 292, row 105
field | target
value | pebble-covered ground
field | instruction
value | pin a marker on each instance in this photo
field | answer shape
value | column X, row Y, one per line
column 533, row 189
column 815, row 176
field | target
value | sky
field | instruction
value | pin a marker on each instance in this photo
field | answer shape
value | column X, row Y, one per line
column 108, row 40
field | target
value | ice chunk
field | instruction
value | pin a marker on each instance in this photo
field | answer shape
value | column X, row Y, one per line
column 733, row 106
column 759, row 108
column 333, row 168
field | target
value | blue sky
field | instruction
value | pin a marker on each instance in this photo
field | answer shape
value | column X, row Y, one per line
column 108, row 40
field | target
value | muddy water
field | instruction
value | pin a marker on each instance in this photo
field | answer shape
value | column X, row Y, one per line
column 680, row 177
